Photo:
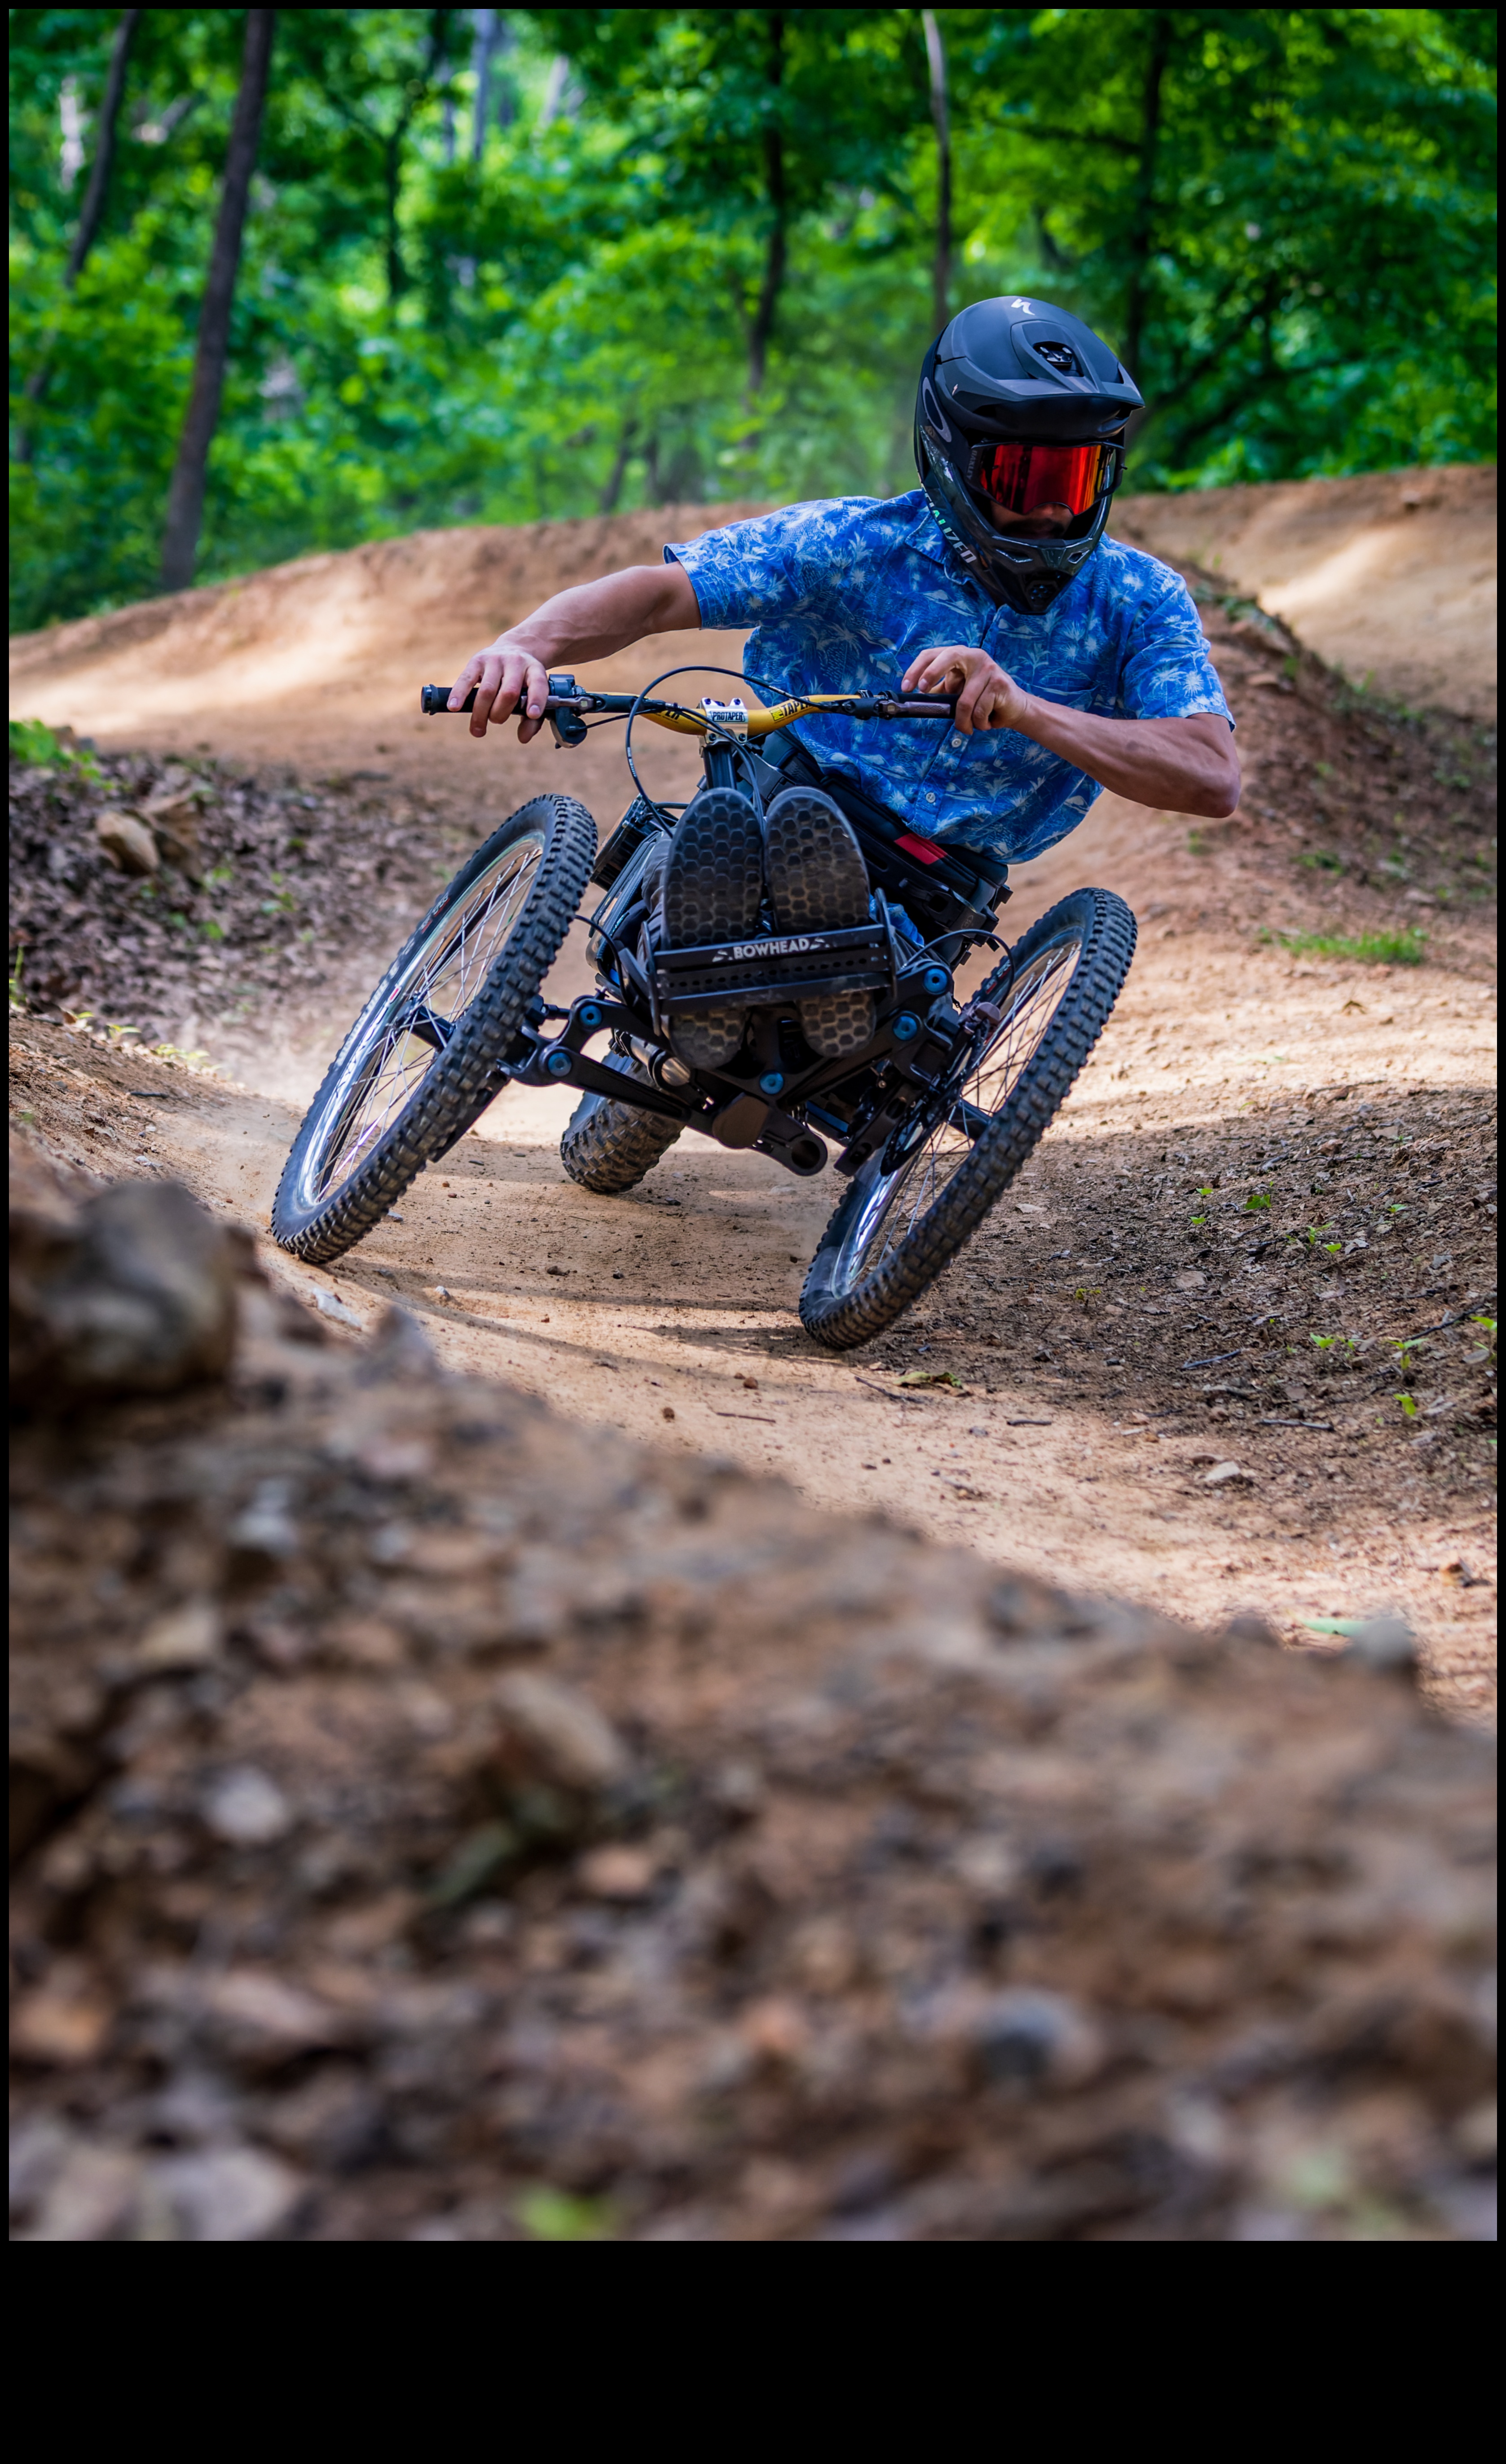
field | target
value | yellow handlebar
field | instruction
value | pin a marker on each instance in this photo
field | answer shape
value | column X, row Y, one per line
column 760, row 722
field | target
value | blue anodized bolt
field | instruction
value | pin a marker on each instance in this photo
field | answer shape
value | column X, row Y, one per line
column 559, row 1064
column 772, row 1083
column 936, row 979
column 905, row 1027
column 589, row 1014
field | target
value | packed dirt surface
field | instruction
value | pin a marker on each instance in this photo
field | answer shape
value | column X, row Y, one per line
column 1166, row 1386
column 1389, row 578
column 435, row 1821
column 319, row 663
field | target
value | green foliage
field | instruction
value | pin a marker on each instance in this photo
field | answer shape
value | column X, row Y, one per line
column 1405, row 946
column 35, row 744
column 556, row 2215
column 690, row 258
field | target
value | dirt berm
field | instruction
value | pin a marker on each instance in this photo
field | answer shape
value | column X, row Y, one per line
column 1390, row 577
column 439, row 1822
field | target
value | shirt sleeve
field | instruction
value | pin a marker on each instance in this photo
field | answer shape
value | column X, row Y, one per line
column 1169, row 672
column 785, row 563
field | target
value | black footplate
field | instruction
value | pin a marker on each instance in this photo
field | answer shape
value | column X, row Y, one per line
column 784, row 966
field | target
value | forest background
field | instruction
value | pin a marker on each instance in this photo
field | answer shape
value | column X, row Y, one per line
column 496, row 265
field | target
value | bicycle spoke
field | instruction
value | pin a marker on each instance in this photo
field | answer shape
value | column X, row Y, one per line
column 424, row 1012
column 898, row 1205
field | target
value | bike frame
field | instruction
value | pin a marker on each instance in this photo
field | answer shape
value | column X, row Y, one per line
column 766, row 1097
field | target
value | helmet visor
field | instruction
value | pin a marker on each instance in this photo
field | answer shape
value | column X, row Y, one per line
column 1063, row 479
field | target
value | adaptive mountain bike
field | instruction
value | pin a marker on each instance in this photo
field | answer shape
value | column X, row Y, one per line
column 933, row 1114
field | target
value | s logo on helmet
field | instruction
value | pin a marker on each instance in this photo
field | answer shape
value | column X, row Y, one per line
column 935, row 415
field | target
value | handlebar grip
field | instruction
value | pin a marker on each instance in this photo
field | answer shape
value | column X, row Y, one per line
column 434, row 699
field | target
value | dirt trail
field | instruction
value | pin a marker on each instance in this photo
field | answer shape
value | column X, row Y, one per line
column 1390, row 578
column 1115, row 1336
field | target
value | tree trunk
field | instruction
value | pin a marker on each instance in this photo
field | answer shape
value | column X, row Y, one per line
column 481, row 50
column 185, row 496
column 92, row 212
column 619, row 469
column 776, row 251
column 941, row 120
column 1142, row 227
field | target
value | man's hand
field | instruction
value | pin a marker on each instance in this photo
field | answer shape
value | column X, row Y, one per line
column 506, row 678
column 1182, row 765
column 589, row 621
column 988, row 697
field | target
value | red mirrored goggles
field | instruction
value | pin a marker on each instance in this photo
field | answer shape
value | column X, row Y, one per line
column 1042, row 479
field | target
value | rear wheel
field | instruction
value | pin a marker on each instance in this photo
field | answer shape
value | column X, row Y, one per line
column 422, row 1061
column 609, row 1147
column 912, row 1208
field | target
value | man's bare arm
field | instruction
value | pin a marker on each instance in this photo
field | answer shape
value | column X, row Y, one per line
column 1186, row 766
column 589, row 621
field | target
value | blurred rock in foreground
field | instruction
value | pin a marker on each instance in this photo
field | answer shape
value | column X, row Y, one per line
column 436, row 1822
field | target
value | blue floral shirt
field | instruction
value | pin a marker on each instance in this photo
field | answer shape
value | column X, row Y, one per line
column 844, row 593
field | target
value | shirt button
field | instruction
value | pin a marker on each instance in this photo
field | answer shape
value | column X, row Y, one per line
column 957, row 743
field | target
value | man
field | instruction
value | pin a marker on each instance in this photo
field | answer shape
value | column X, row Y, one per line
column 1078, row 663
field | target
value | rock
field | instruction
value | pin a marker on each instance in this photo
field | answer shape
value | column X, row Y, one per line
column 90, row 2196
column 58, row 2028
column 258, row 2019
column 174, row 819
column 1386, row 1643
column 618, row 1873
column 226, row 2194
column 134, row 1294
column 124, row 840
column 247, row 1810
column 1027, row 2039
column 1248, row 1626
column 1227, row 1475
column 185, row 1637
column 562, row 1737
column 396, row 1349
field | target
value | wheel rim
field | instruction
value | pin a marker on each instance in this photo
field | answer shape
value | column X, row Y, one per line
column 900, row 1198
column 394, row 1047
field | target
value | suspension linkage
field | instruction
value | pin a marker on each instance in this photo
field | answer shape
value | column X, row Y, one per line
column 561, row 1060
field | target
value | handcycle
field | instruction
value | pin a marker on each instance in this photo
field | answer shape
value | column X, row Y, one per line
column 931, row 1118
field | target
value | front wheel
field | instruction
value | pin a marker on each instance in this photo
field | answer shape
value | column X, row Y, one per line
column 421, row 1062
column 913, row 1206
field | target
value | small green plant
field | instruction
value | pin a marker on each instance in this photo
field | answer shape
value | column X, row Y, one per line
column 220, row 877
column 37, row 745
column 1322, row 860
column 211, row 930
column 1085, row 1293
column 1324, row 1343
column 1315, row 1234
column 1487, row 1326
column 1403, row 947
column 1409, row 1404
column 17, row 963
column 1257, row 1202
column 283, row 902
column 1197, row 842
column 556, row 2215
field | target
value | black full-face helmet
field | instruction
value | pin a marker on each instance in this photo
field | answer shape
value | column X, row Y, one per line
column 1022, row 408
